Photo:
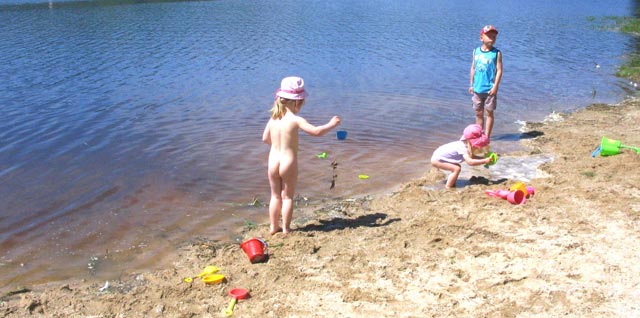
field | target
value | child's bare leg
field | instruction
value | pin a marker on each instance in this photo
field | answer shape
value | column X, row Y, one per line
column 287, row 205
column 275, row 203
column 453, row 177
column 454, row 168
column 274, row 214
column 489, row 123
column 480, row 118
column 287, row 213
column 289, row 180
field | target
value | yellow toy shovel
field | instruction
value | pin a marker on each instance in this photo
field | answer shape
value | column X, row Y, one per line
column 206, row 271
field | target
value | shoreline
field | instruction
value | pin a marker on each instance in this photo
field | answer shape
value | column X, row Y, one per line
column 569, row 250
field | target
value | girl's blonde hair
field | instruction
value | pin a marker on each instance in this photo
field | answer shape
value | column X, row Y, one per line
column 476, row 152
column 281, row 105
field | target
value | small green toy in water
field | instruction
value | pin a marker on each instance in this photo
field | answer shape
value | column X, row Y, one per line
column 322, row 155
column 363, row 176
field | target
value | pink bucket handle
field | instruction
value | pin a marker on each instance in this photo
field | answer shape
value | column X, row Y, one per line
column 511, row 196
column 502, row 194
column 491, row 193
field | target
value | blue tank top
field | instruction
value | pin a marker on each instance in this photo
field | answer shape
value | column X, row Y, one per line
column 485, row 69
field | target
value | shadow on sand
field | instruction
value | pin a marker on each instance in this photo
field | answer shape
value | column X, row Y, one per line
column 482, row 180
column 369, row 220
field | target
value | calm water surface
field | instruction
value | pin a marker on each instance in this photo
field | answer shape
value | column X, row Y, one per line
column 129, row 128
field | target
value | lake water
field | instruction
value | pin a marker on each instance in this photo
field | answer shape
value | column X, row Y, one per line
column 130, row 127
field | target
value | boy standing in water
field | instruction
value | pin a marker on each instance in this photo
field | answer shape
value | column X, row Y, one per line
column 486, row 73
column 281, row 133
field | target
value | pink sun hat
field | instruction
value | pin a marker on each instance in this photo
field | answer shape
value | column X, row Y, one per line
column 292, row 87
column 473, row 133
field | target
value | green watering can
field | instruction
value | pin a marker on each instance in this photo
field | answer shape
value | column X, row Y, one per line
column 494, row 158
column 610, row 147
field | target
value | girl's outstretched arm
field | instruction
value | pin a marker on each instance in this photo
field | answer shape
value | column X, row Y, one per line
column 476, row 162
column 317, row 130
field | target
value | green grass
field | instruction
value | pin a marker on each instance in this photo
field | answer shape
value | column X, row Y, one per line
column 589, row 174
column 623, row 24
column 250, row 225
column 630, row 25
column 631, row 69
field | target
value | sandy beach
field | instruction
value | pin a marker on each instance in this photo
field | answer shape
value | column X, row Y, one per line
column 571, row 250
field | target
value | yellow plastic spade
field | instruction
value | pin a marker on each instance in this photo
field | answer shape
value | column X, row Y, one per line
column 213, row 279
column 206, row 271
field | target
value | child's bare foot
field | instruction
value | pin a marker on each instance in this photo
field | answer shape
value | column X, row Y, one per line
column 286, row 231
column 273, row 231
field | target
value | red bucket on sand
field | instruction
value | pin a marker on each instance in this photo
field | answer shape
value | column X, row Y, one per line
column 256, row 249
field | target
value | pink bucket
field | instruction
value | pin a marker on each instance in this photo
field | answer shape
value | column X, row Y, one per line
column 516, row 197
